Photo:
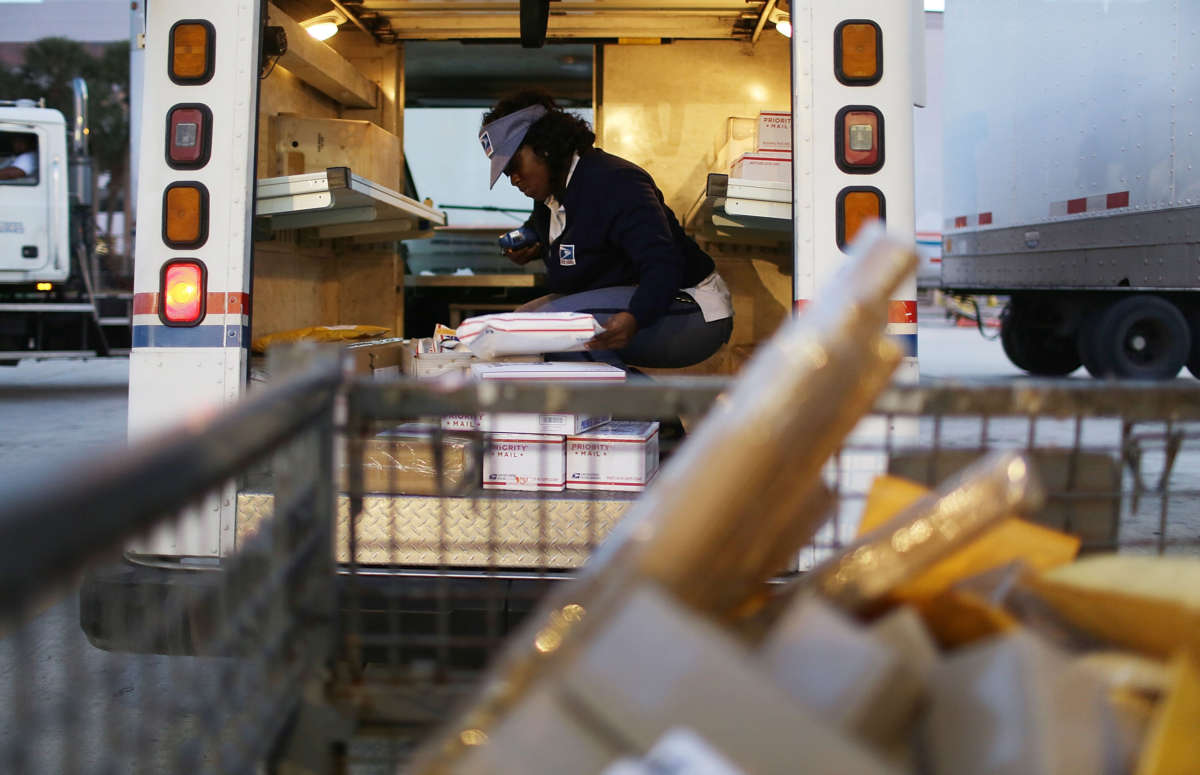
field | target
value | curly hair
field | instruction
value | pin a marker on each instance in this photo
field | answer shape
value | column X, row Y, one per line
column 556, row 136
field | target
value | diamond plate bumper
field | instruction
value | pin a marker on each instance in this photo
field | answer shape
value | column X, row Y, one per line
column 501, row 531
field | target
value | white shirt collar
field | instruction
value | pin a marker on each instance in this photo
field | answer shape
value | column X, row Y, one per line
column 550, row 201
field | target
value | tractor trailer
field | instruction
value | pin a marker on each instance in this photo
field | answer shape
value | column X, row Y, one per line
column 1072, row 180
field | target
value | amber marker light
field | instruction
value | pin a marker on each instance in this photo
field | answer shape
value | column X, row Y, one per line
column 182, row 292
column 185, row 215
column 191, row 56
column 858, row 52
column 855, row 207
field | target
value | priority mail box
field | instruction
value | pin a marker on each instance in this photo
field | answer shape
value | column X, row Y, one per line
column 524, row 461
column 549, row 371
column 654, row 666
column 554, row 424
column 762, row 167
column 461, row 422
column 774, row 131
column 619, row 455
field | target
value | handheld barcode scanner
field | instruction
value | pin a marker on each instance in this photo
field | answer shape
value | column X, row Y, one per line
column 518, row 238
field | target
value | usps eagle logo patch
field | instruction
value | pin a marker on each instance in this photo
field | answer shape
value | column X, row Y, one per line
column 566, row 255
column 486, row 142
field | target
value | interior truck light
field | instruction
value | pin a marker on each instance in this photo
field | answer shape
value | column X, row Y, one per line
column 189, row 136
column 855, row 206
column 191, row 52
column 182, row 292
column 185, row 215
column 858, row 132
column 858, row 52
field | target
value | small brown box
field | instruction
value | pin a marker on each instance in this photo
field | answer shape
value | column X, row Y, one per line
column 379, row 357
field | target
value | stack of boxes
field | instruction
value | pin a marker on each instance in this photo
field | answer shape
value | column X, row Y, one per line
column 760, row 181
column 553, row 452
column 524, row 452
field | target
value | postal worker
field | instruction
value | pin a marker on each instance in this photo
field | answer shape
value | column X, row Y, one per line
column 611, row 245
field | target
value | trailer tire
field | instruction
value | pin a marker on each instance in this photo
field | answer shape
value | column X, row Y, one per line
column 1092, row 351
column 1142, row 337
column 1192, row 314
column 1034, row 348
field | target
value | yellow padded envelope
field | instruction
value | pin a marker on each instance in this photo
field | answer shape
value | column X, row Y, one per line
column 1147, row 603
column 1173, row 747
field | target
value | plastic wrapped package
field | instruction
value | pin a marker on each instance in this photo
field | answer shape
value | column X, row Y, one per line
column 405, row 461
column 1011, row 540
column 522, row 333
column 318, row 334
column 981, row 496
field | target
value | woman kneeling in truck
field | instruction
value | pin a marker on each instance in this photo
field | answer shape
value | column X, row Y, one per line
column 611, row 245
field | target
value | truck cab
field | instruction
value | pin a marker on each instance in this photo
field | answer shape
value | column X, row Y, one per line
column 34, row 246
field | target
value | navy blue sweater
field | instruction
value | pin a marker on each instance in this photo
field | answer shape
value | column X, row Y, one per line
column 619, row 232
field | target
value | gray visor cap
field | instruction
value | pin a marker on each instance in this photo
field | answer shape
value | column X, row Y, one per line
column 501, row 138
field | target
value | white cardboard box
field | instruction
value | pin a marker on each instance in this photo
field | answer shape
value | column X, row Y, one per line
column 553, row 424
column 763, row 190
column 540, row 736
column 1013, row 705
column 620, row 455
column 461, row 422
column 653, row 666
column 759, row 208
column 833, row 665
column 524, row 461
column 775, row 131
column 761, row 166
column 549, row 371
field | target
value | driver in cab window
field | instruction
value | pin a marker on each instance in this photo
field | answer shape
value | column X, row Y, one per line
column 18, row 157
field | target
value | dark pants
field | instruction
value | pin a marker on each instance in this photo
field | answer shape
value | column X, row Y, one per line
column 679, row 338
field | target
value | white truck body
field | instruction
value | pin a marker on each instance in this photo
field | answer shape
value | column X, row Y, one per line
column 34, row 212
column 1058, row 112
column 1071, row 178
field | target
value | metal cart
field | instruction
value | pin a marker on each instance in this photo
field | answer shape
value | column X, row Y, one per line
column 352, row 619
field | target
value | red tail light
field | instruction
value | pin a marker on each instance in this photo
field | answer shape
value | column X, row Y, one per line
column 182, row 293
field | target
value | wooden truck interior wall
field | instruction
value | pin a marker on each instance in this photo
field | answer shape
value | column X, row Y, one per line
column 299, row 280
column 667, row 109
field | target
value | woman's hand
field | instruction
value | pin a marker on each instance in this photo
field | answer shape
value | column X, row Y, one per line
column 522, row 256
column 617, row 333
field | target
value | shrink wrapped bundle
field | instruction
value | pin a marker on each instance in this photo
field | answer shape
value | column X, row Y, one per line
column 979, row 497
column 527, row 333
